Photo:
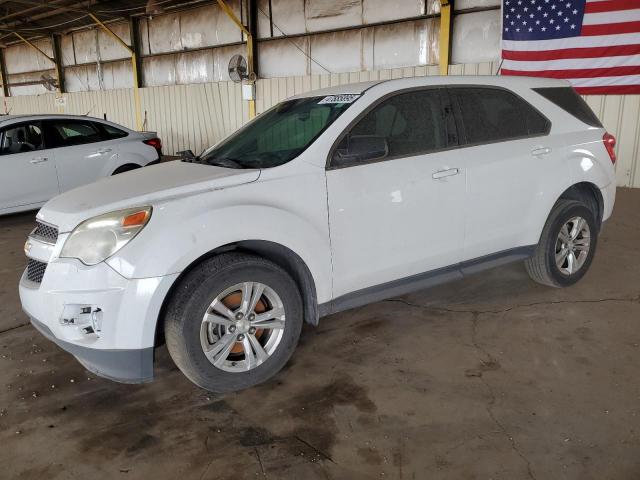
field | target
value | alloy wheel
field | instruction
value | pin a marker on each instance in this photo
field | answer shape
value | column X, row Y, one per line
column 242, row 327
column 572, row 245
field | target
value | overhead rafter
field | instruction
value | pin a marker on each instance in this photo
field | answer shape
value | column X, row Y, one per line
column 39, row 19
column 26, row 11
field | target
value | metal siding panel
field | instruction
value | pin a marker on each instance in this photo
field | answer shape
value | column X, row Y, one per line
column 630, row 145
column 198, row 115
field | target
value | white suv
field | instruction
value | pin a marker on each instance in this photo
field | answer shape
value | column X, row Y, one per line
column 44, row 155
column 330, row 200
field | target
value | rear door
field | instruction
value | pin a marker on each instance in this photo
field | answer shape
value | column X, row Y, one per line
column 84, row 153
column 28, row 169
column 401, row 214
column 508, row 158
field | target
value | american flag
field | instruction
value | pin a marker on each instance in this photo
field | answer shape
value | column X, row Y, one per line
column 595, row 44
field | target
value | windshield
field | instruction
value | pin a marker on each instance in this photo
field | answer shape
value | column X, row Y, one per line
column 279, row 134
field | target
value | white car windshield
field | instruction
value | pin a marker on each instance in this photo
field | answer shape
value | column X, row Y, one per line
column 279, row 134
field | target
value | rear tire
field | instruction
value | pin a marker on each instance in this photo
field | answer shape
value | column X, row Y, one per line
column 567, row 245
column 222, row 344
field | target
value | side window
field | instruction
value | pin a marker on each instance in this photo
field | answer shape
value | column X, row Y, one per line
column 25, row 137
column 569, row 100
column 67, row 133
column 492, row 114
column 406, row 124
column 109, row 132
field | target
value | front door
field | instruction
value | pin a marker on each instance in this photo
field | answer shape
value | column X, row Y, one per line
column 28, row 171
column 395, row 193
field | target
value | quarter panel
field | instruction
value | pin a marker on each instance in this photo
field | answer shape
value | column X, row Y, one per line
column 132, row 150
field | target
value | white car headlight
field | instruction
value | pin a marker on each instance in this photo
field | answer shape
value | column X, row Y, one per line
column 98, row 238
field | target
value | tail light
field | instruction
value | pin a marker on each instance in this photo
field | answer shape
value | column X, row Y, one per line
column 609, row 143
column 155, row 143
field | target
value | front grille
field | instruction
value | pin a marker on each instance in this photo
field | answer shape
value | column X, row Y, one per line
column 35, row 271
column 45, row 232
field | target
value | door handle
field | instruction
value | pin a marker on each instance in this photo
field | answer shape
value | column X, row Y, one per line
column 103, row 150
column 38, row 160
column 445, row 173
column 536, row 152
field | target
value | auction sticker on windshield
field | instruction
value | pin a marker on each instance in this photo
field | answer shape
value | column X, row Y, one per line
column 344, row 98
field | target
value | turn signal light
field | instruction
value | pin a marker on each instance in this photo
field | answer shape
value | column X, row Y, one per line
column 610, row 143
column 136, row 219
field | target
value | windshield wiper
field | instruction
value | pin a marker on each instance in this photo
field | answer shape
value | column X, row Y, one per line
column 224, row 162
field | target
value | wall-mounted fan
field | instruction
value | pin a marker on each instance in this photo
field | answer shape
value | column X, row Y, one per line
column 49, row 82
column 238, row 69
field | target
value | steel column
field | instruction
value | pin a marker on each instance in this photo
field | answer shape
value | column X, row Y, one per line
column 134, row 31
column 57, row 57
column 134, row 68
column 3, row 73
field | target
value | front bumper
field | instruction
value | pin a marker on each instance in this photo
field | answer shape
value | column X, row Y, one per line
column 125, row 366
column 117, row 342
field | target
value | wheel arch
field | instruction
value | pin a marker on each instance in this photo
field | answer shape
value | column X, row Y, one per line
column 279, row 254
column 588, row 193
column 125, row 167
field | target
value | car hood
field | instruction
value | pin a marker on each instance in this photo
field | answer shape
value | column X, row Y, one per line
column 139, row 187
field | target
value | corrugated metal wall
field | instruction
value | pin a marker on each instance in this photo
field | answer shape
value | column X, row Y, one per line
column 198, row 115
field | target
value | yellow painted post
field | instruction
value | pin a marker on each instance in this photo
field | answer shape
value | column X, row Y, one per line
column 227, row 9
column 134, row 69
column 252, row 102
column 445, row 35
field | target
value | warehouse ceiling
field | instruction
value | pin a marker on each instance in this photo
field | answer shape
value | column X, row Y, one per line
column 37, row 18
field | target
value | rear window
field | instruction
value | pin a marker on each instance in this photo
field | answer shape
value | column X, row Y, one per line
column 109, row 132
column 493, row 114
column 568, row 99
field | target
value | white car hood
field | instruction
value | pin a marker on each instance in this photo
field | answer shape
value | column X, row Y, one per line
column 139, row 187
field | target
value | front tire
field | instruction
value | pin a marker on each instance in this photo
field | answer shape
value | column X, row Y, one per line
column 567, row 245
column 233, row 322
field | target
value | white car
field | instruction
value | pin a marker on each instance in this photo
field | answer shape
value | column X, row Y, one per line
column 330, row 200
column 45, row 155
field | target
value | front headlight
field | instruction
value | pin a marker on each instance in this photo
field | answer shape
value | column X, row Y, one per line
column 98, row 238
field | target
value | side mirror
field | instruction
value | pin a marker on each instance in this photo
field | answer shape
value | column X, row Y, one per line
column 360, row 148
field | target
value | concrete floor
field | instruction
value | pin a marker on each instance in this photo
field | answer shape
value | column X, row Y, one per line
column 490, row 377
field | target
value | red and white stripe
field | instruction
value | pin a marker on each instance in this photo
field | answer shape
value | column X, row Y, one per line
column 605, row 58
